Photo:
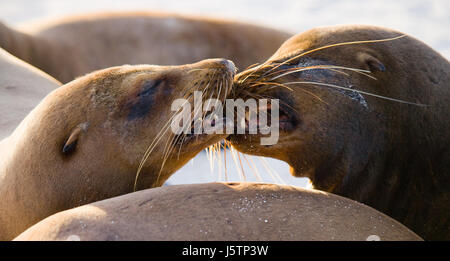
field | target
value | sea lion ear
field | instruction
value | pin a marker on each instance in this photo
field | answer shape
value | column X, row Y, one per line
column 72, row 141
column 372, row 63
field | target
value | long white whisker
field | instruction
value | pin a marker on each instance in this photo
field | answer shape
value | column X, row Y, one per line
column 358, row 91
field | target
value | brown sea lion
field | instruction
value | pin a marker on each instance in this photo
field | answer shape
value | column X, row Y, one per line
column 22, row 87
column 74, row 46
column 221, row 211
column 87, row 140
column 368, row 120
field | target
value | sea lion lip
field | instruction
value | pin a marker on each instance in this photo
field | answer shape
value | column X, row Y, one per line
column 193, row 141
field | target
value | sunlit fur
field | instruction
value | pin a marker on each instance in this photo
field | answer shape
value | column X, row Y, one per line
column 38, row 177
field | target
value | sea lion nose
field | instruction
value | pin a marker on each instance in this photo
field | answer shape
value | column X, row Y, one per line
column 229, row 65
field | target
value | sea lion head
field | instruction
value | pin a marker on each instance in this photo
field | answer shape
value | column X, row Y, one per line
column 114, row 123
column 343, row 95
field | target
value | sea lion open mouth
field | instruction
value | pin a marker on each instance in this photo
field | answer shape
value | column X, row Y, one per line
column 286, row 120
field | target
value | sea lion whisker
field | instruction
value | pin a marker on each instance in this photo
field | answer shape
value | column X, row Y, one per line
column 259, row 96
column 237, row 165
column 209, row 156
column 272, row 172
column 151, row 147
column 360, row 71
column 240, row 163
column 335, row 45
column 320, row 67
column 255, row 70
column 180, row 145
column 385, row 130
column 216, row 155
column 252, row 167
column 358, row 91
column 194, row 70
column 309, row 93
column 170, row 146
column 146, row 156
column 271, row 83
column 167, row 150
column 225, row 86
column 171, row 118
column 205, row 92
column 225, row 159
column 220, row 88
column 251, row 66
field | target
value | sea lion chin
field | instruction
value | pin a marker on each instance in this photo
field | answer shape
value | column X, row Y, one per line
column 363, row 114
column 87, row 140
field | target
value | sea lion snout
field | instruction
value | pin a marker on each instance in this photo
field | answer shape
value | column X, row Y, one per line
column 219, row 63
column 228, row 64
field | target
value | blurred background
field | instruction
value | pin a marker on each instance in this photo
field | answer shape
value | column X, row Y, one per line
column 428, row 21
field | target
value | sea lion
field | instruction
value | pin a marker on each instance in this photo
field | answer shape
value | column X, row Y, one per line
column 87, row 140
column 364, row 113
column 77, row 45
column 22, row 87
column 221, row 211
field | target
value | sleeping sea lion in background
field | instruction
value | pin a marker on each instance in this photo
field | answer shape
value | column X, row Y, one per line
column 22, row 87
column 70, row 47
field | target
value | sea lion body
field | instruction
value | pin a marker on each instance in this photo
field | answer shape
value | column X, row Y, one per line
column 71, row 47
column 86, row 140
column 221, row 211
column 22, row 87
column 367, row 120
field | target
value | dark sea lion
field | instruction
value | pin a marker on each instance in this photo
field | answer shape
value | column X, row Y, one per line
column 221, row 211
column 87, row 140
column 365, row 114
column 22, row 87
column 74, row 46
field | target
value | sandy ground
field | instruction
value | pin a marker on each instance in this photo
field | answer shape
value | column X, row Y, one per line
column 426, row 20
